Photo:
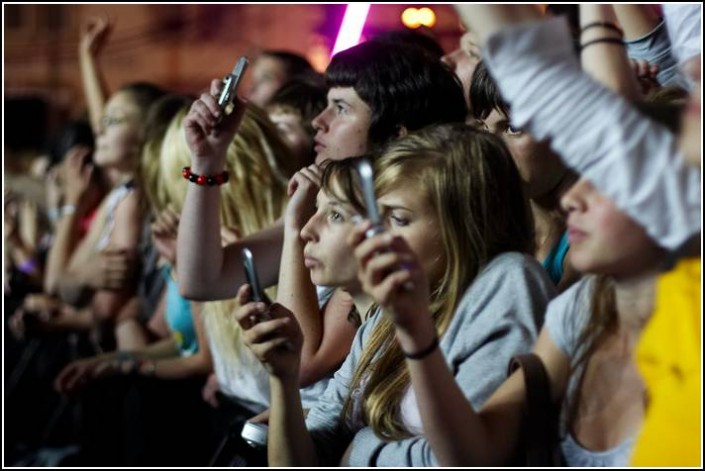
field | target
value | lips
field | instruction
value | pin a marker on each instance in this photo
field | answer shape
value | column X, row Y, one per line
column 575, row 236
column 311, row 262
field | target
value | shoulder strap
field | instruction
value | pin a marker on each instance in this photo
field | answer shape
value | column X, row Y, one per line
column 540, row 414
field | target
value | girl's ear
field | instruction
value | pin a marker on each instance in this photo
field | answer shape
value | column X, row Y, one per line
column 402, row 131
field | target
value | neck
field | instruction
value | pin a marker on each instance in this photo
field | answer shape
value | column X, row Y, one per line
column 635, row 301
column 362, row 303
column 117, row 176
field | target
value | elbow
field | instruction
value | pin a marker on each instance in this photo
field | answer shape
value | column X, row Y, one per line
column 309, row 376
column 194, row 292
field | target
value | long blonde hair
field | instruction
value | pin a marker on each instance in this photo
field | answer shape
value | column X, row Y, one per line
column 260, row 165
column 471, row 181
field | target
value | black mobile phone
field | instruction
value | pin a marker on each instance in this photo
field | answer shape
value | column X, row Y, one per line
column 258, row 294
column 364, row 170
column 231, row 82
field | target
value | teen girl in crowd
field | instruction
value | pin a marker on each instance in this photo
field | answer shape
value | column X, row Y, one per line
column 474, row 285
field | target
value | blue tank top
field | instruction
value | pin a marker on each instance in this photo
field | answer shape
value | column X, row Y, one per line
column 178, row 317
column 554, row 262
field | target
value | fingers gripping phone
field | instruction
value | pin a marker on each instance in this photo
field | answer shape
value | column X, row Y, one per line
column 258, row 294
column 364, row 170
column 230, row 84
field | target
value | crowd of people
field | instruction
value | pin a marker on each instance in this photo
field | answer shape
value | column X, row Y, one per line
column 538, row 190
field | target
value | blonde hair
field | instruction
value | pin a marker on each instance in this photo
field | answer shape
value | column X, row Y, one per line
column 159, row 117
column 260, row 165
column 458, row 170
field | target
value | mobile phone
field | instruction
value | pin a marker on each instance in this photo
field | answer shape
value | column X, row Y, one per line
column 364, row 170
column 231, row 82
column 255, row 434
column 258, row 294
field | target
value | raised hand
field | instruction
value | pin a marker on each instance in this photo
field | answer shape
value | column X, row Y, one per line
column 95, row 34
column 391, row 274
column 302, row 190
column 209, row 131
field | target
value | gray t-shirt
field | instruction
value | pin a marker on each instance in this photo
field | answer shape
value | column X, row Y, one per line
column 499, row 316
column 566, row 318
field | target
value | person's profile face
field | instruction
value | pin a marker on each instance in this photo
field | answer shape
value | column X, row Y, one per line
column 342, row 128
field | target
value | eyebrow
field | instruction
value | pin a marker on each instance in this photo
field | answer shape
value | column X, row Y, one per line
column 396, row 206
column 338, row 101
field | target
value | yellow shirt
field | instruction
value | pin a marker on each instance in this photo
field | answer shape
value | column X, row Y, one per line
column 668, row 356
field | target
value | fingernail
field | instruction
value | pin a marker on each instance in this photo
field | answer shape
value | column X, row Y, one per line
column 357, row 219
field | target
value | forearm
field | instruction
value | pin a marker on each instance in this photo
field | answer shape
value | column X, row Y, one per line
column 94, row 87
column 179, row 367
column 289, row 442
column 199, row 248
column 457, row 434
column 65, row 242
column 296, row 292
column 606, row 62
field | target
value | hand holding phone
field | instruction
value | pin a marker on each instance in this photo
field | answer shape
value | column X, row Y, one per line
column 230, row 84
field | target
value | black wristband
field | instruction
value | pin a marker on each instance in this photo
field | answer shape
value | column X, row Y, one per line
column 601, row 40
column 603, row 24
column 425, row 352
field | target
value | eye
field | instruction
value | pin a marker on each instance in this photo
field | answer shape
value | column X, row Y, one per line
column 513, row 131
column 340, row 109
column 335, row 216
column 398, row 221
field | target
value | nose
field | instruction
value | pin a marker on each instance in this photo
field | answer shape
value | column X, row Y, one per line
column 575, row 197
column 320, row 123
column 309, row 233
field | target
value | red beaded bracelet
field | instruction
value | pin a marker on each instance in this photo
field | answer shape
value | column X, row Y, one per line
column 202, row 179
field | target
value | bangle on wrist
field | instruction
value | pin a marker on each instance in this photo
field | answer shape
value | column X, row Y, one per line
column 67, row 209
column 603, row 24
column 425, row 352
column 601, row 40
column 203, row 179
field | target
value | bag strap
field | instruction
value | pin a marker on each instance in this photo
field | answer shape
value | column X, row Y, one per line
column 540, row 414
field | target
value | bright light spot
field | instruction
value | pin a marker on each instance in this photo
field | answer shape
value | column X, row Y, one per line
column 351, row 28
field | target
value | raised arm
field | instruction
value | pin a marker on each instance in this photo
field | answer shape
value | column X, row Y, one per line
column 95, row 88
column 606, row 61
column 207, row 271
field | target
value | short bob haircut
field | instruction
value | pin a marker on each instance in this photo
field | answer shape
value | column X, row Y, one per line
column 402, row 85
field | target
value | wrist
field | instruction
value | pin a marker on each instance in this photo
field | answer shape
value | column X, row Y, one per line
column 207, row 166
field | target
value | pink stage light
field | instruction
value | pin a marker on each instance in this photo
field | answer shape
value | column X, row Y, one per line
column 351, row 28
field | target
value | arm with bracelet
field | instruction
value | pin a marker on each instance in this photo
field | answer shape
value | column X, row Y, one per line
column 603, row 52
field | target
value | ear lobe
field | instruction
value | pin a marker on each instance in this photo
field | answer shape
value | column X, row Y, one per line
column 402, row 131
